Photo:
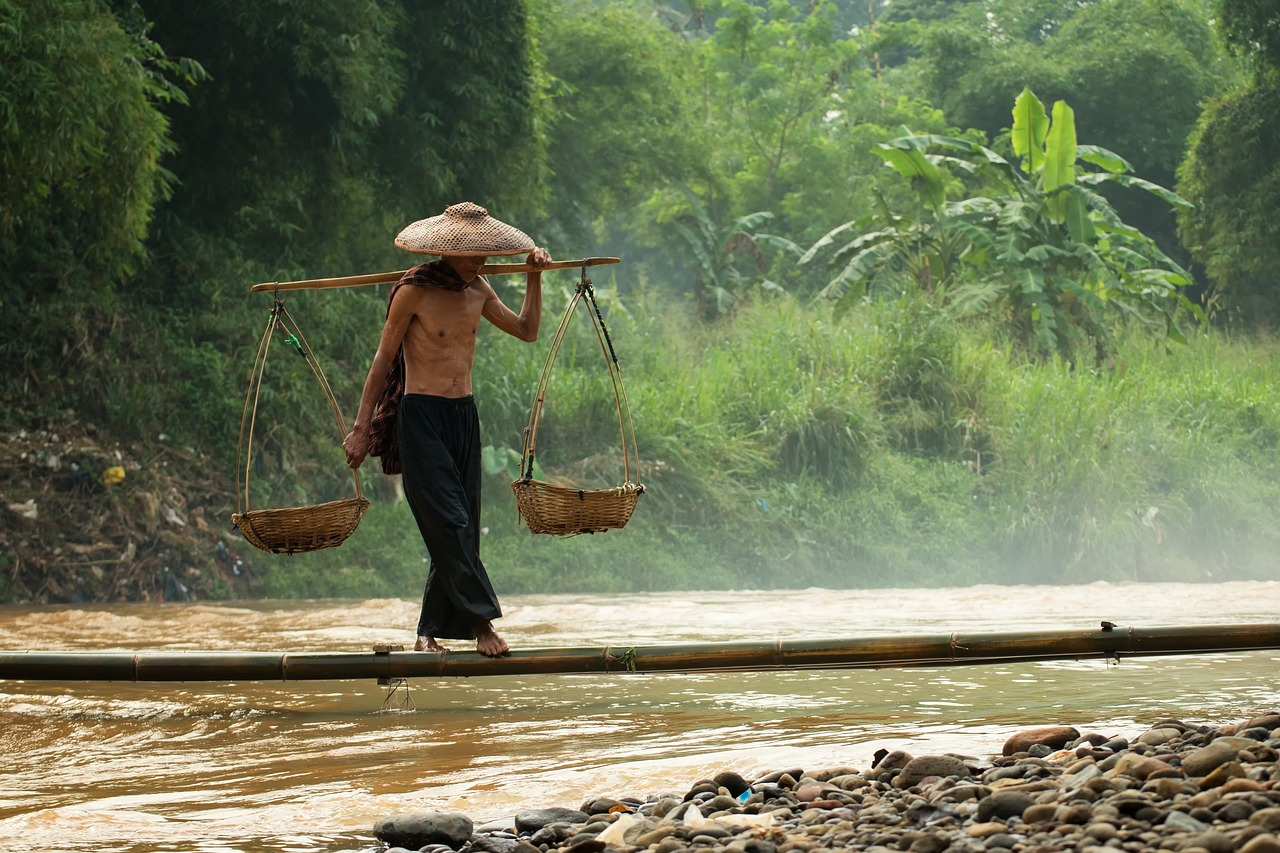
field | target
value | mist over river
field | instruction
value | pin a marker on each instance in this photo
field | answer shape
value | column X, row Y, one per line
column 309, row 766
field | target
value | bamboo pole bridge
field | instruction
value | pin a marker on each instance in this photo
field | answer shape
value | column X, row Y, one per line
column 389, row 663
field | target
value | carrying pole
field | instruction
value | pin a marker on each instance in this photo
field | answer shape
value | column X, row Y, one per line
column 864, row 653
column 394, row 275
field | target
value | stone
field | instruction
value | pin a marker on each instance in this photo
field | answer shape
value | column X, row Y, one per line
column 930, row 765
column 1268, row 819
column 1202, row 761
column 1140, row 767
column 1156, row 737
column 732, row 782
column 1184, row 822
column 1214, row 842
column 1262, row 844
column 1003, row 804
column 1039, row 813
column 1233, row 811
column 1221, row 774
column 1054, row 737
column 532, row 820
column 1265, row 721
column 419, row 829
column 985, row 829
column 494, row 844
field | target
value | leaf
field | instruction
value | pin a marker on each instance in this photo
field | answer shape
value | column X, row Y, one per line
column 1139, row 183
column 1103, row 159
column 912, row 164
column 824, row 241
column 1079, row 223
column 1030, row 127
column 1060, row 158
column 861, row 267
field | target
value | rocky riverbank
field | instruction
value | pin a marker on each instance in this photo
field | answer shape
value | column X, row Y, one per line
column 1179, row 787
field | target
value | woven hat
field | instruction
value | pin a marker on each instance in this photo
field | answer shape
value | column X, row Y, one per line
column 464, row 229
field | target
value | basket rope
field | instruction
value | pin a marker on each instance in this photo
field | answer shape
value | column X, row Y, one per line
column 292, row 529
column 557, row 509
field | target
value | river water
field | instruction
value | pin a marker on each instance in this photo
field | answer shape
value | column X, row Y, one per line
column 309, row 766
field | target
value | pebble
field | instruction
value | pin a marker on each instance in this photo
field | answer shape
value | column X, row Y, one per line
column 1176, row 787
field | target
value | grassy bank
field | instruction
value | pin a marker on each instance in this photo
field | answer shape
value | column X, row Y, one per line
column 895, row 447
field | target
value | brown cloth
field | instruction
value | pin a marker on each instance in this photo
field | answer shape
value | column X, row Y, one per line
column 382, row 429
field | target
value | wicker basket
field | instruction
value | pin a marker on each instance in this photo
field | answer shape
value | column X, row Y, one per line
column 296, row 529
column 565, row 511
column 290, row 530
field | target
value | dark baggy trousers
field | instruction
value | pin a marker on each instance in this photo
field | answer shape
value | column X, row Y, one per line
column 439, row 440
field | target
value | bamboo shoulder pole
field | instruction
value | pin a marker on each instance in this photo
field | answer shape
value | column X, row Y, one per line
column 856, row 653
column 394, row 275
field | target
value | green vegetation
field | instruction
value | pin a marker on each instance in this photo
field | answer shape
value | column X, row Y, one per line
column 898, row 446
column 1001, row 363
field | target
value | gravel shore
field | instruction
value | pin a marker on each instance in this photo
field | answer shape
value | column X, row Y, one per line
column 1177, row 786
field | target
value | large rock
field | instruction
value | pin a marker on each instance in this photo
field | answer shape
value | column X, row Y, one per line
column 419, row 829
column 1054, row 737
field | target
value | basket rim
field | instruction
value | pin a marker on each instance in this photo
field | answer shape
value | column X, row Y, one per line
column 362, row 503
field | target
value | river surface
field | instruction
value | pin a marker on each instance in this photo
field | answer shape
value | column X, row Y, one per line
column 309, row 766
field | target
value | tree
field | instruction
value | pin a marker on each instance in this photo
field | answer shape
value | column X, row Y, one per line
column 773, row 74
column 1232, row 174
column 716, row 248
column 1252, row 27
column 83, row 137
column 620, row 117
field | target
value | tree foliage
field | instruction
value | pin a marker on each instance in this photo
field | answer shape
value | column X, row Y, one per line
column 83, row 137
column 1252, row 27
column 1232, row 175
column 621, row 116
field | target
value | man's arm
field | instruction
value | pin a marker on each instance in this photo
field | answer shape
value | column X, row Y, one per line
column 525, row 324
column 402, row 310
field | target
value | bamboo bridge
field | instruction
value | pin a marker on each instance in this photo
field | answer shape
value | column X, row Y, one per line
column 390, row 663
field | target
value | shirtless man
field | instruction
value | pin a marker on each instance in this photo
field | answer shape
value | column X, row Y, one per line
column 417, row 413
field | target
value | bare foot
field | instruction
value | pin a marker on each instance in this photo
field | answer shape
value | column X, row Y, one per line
column 488, row 643
column 428, row 644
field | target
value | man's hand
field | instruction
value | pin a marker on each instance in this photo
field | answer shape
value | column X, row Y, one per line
column 356, row 444
column 538, row 258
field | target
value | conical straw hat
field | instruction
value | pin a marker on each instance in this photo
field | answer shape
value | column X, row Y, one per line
column 464, row 229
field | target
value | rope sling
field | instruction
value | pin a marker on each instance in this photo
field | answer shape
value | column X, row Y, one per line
column 565, row 510
column 290, row 530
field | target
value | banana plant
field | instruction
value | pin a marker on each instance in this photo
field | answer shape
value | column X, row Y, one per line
column 1043, row 248
column 716, row 249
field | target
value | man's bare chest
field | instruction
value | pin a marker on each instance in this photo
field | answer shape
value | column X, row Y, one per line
column 446, row 319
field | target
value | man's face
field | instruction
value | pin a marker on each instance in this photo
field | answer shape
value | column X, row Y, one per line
column 467, row 267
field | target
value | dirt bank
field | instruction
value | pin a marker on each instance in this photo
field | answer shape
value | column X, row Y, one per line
column 84, row 518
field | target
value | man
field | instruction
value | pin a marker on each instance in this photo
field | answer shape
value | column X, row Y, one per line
column 418, row 415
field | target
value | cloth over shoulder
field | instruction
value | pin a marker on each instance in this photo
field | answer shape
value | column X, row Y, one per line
column 382, row 428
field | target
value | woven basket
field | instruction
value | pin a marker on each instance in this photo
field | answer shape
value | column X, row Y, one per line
column 564, row 510
column 290, row 530
column 296, row 529
column 568, row 510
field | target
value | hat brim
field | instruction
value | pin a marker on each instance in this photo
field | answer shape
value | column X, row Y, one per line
column 464, row 230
